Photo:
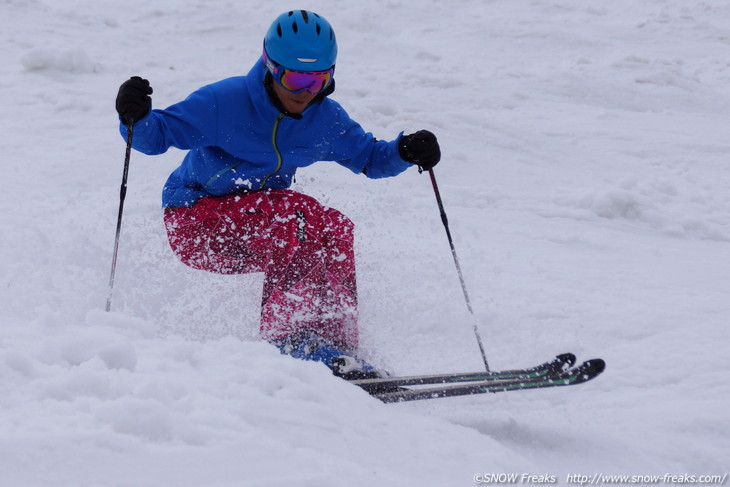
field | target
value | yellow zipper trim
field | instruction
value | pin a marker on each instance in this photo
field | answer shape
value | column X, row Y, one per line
column 276, row 150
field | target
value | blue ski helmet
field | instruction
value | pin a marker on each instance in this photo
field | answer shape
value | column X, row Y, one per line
column 301, row 40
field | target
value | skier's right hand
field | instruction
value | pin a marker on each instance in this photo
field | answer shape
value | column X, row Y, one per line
column 133, row 99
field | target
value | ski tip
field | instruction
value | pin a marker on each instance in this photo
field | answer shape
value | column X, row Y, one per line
column 598, row 365
column 566, row 359
column 589, row 370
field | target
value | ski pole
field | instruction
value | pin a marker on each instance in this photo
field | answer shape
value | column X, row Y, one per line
column 458, row 267
column 122, row 195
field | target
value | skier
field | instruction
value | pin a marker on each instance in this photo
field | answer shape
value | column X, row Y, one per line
column 228, row 207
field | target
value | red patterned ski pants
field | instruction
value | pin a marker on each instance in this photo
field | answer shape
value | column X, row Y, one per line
column 304, row 249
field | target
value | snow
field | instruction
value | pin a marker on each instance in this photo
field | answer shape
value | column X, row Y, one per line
column 585, row 177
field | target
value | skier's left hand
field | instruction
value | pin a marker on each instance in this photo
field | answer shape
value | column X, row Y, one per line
column 420, row 148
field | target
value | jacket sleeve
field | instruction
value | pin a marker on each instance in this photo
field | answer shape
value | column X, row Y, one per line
column 361, row 152
column 186, row 125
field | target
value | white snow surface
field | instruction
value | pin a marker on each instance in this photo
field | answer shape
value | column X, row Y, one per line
column 586, row 177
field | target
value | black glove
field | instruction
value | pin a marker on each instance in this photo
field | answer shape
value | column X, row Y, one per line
column 420, row 148
column 133, row 99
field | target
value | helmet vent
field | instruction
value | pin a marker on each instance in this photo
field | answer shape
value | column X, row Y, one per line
column 300, row 40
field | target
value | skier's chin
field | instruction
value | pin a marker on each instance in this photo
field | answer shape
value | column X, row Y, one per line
column 293, row 102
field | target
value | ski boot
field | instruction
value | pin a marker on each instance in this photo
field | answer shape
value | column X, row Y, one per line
column 343, row 363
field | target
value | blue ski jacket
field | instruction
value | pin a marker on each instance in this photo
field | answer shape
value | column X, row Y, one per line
column 239, row 140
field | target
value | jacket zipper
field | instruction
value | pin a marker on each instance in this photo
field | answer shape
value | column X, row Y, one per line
column 279, row 159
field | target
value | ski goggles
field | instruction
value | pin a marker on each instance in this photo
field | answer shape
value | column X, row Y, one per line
column 299, row 81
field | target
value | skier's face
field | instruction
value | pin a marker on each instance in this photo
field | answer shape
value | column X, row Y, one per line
column 293, row 102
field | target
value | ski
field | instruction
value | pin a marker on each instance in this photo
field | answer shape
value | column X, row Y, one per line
column 572, row 376
column 391, row 384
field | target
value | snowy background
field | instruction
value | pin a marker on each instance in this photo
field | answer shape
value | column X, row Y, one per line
column 586, row 175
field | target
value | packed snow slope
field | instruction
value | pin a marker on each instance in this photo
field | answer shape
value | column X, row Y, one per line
column 586, row 176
